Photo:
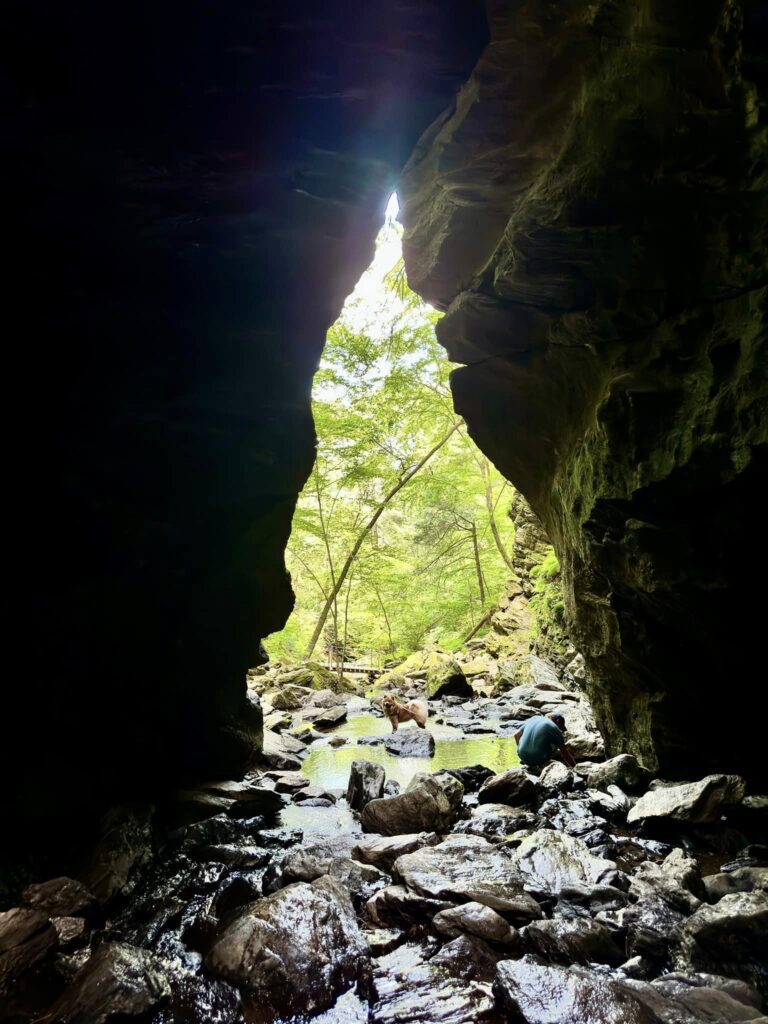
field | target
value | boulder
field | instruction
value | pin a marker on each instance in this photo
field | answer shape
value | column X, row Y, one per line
column 382, row 852
column 496, row 821
column 469, row 958
column 556, row 777
column 60, row 897
column 550, row 861
column 289, row 698
column 117, row 983
column 277, row 721
column 529, row 671
column 478, row 920
column 123, row 848
column 282, row 751
column 314, row 676
column 410, row 742
column 575, row 941
column 624, row 771
column 452, row 788
column 582, row 736
column 423, row 807
column 693, row 803
column 325, row 717
column 472, row 777
column 366, row 783
column 532, row 993
column 397, row 902
column 294, row 952
column 470, row 869
column 412, row 990
column 514, row 786
column 746, row 879
column 26, row 938
column 728, row 938
column 693, row 999
column 327, row 699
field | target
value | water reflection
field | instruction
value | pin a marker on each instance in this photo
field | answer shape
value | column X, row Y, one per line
column 329, row 767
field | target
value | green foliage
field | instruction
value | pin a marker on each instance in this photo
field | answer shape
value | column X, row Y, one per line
column 547, row 599
column 381, row 401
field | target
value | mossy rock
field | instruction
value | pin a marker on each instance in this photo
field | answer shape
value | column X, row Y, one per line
column 315, row 676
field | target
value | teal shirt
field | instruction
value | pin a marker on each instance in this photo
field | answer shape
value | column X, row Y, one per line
column 540, row 739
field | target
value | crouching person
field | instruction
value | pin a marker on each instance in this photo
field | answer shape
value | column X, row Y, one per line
column 542, row 738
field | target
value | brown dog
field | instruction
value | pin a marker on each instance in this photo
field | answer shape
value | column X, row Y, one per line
column 414, row 711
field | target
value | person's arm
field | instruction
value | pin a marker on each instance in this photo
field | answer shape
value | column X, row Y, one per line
column 567, row 757
column 518, row 736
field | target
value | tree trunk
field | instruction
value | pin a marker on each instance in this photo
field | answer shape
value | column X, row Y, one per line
column 479, row 625
column 478, row 567
column 337, row 583
column 491, row 513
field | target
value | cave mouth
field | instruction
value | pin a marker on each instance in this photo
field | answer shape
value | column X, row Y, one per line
column 398, row 494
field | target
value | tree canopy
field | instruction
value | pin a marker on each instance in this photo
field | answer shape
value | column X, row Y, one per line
column 400, row 535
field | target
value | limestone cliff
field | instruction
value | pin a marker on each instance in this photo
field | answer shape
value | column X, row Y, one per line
column 592, row 217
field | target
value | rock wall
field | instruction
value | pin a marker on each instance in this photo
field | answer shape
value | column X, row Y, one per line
column 193, row 191
column 592, row 217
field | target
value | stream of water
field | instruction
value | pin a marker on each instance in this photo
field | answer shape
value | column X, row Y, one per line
column 328, row 766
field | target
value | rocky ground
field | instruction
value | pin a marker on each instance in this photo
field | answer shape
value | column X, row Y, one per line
column 596, row 895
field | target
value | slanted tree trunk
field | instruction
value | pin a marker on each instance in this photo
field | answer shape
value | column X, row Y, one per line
column 491, row 506
column 479, row 625
column 344, row 571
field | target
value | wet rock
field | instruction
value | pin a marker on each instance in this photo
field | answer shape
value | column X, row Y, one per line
column 189, row 806
column 556, row 776
column 624, row 771
column 471, row 777
column 691, row 802
column 575, row 941
column 391, row 787
column 307, row 864
column 532, row 993
column 312, row 794
column 673, row 1000
column 60, row 897
column 124, row 847
column 741, row 880
column 594, row 899
column 549, row 861
column 412, row 991
column 450, row 785
column 71, row 931
column 411, row 742
column 295, row 951
column 728, row 938
column 26, row 938
column 366, row 783
column 677, row 881
column 279, row 751
column 397, row 902
column 246, row 856
column 571, row 815
column 496, row 821
column 289, row 782
column 478, row 920
column 468, row 957
column 467, row 868
column 423, row 807
column 514, row 786
column 337, row 741
column 325, row 717
column 582, row 736
column 118, row 982
column 383, row 852
column 278, row 721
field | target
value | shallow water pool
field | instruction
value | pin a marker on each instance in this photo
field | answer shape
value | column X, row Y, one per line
column 329, row 767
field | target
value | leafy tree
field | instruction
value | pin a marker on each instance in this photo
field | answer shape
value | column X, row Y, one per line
column 396, row 540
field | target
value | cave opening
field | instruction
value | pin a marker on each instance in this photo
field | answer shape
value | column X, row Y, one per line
column 401, row 537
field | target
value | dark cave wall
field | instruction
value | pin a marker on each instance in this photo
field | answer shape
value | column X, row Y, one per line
column 592, row 217
column 194, row 189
